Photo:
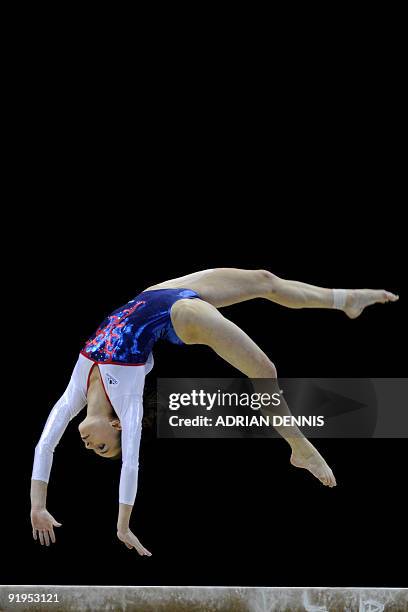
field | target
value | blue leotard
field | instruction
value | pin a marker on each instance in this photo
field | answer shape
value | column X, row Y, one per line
column 127, row 336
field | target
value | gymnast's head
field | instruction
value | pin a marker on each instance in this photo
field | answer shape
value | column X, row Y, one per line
column 102, row 435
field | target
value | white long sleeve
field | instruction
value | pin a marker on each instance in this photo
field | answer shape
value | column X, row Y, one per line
column 130, row 409
column 124, row 386
column 67, row 407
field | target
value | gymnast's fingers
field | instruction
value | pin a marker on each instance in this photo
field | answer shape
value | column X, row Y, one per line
column 46, row 538
column 141, row 549
column 52, row 535
column 41, row 535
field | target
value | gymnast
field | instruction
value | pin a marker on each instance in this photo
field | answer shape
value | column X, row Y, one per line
column 109, row 375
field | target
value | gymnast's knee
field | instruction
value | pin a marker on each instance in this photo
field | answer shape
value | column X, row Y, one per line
column 268, row 281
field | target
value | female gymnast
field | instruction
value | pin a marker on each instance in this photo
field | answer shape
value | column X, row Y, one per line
column 182, row 311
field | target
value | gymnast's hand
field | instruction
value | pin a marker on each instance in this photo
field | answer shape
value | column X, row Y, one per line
column 43, row 524
column 131, row 541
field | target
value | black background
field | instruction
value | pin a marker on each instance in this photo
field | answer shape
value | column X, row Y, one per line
column 125, row 190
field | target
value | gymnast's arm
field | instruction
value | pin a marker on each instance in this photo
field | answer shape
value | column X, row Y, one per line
column 130, row 409
column 67, row 407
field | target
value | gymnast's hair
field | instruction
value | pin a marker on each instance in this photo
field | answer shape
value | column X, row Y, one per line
column 118, row 454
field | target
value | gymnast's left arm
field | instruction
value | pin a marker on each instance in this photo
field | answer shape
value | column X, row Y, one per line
column 67, row 407
column 130, row 409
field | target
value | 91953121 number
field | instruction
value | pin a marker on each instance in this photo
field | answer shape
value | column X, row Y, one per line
column 33, row 598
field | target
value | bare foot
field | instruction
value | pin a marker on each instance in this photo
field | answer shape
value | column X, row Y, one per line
column 358, row 299
column 308, row 458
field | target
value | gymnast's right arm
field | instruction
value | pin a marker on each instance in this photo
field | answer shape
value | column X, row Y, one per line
column 67, row 407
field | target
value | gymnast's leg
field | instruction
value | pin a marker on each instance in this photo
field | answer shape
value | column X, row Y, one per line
column 198, row 322
column 225, row 286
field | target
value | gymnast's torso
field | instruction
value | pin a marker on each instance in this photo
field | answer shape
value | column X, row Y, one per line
column 128, row 334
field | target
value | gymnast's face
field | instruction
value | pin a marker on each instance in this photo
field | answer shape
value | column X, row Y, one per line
column 101, row 434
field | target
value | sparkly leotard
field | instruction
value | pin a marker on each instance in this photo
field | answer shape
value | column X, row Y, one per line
column 127, row 336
